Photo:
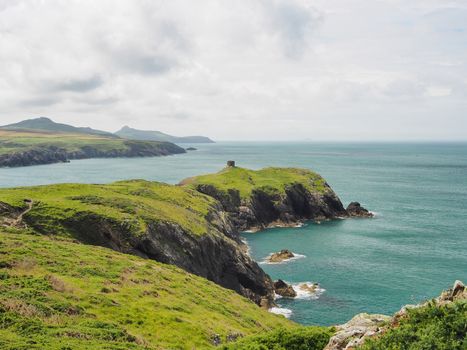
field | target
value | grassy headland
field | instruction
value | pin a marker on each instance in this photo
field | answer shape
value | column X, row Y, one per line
column 130, row 204
column 23, row 147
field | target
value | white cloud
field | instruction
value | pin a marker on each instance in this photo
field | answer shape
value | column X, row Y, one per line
column 262, row 69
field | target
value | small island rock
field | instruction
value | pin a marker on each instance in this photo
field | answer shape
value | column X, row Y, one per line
column 284, row 254
column 354, row 209
column 283, row 289
column 191, row 149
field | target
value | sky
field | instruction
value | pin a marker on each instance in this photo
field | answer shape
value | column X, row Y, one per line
column 313, row 70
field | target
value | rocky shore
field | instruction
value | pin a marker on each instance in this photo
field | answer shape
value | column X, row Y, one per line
column 363, row 326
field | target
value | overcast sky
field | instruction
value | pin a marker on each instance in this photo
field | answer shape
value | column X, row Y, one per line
column 243, row 69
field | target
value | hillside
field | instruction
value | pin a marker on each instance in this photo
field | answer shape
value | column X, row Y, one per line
column 147, row 135
column 59, row 294
column 26, row 147
column 45, row 124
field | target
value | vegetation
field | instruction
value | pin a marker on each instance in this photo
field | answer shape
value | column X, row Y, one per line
column 130, row 205
column 303, row 338
column 59, row 294
column 270, row 180
column 18, row 141
column 430, row 327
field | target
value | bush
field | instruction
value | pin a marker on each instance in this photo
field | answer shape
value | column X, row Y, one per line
column 429, row 328
column 305, row 338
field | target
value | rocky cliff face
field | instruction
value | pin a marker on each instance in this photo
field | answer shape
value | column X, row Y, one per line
column 54, row 154
column 215, row 256
column 263, row 209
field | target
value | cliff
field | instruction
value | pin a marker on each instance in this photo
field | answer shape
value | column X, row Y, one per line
column 258, row 199
column 170, row 224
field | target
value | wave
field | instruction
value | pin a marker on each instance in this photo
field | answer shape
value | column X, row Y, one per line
column 281, row 311
column 266, row 261
column 308, row 290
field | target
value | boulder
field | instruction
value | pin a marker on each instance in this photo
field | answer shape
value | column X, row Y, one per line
column 353, row 333
column 284, row 254
column 354, row 209
column 284, row 290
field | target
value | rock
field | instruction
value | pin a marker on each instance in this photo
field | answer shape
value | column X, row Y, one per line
column 354, row 209
column 281, row 256
column 191, row 149
column 353, row 333
column 310, row 288
column 458, row 290
column 283, row 289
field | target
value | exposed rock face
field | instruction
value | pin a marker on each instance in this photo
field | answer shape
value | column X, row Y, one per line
column 363, row 326
column 284, row 254
column 283, row 289
column 354, row 209
column 53, row 154
column 263, row 209
column 354, row 332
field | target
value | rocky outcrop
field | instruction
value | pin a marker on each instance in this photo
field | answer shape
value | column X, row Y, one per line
column 278, row 257
column 53, row 154
column 263, row 209
column 363, row 326
column 284, row 290
column 354, row 209
column 356, row 331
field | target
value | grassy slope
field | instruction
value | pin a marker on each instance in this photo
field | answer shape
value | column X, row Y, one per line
column 271, row 180
column 57, row 294
column 130, row 204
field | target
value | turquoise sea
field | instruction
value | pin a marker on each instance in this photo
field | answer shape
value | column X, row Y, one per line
column 414, row 247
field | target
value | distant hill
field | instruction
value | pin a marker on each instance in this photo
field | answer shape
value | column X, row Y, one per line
column 46, row 124
column 147, row 135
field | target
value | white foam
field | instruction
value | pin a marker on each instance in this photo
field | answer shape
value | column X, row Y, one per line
column 306, row 294
column 281, row 311
column 266, row 261
column 375, row 214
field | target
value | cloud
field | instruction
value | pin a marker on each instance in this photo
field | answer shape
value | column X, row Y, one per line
column 80, row 85
column 248, row 69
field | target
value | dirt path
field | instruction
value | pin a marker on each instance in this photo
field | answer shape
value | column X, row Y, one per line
column 19, row 219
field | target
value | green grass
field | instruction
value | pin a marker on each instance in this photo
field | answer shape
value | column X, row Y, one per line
column 58, row 294
column 269, row 180
column 303, row 338
column 19, row 141
column 129, row 205
column 427, row 328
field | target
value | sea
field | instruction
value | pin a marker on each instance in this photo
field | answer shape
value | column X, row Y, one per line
column 414, row 247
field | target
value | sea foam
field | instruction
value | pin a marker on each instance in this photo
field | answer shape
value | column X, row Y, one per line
column 281, row 311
